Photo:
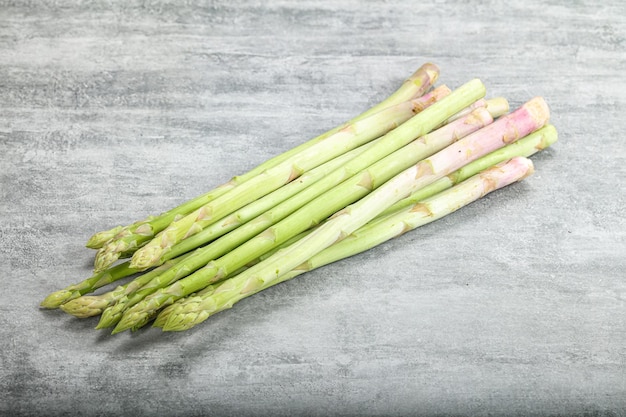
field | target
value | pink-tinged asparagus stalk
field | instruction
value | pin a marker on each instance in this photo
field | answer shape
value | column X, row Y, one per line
column 319, row 208
column 193, row 310
column 346, row 139
column 525, row 147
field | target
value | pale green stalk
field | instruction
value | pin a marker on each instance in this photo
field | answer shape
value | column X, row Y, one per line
column 316, row 210
column 352, row 136
column 97, row 280
column 497, row 106
column 190, row 311
column 202, row 255
column 507, row 129
column 129, row 238
column 232, row 240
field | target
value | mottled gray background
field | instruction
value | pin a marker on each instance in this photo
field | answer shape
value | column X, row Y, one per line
column 110, row 111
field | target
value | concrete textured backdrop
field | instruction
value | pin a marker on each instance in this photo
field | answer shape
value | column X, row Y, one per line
column 114, row 110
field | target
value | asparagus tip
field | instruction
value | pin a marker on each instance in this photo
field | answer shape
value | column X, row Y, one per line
column 99, row 239
column 163, row 316
column 85, row 306
column 110, row 317
column 57, row 298
column 187, row 314
column 131, row 320
column 105, row 257
column 146, row 257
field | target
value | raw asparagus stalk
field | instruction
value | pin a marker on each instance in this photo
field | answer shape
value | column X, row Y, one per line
column 191, row 311
column 385, row 145
column 313, row 201
column 496, row 108
column 348, row 138
column 98, row 280
column 306, row 216
column 248, row 212
column 416, row 85
column 525, row 147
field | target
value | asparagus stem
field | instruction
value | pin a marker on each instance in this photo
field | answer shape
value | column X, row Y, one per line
column 348, row 220
column 533, row 115
column 97, row 280
column 352, row 136
column 260, row 206
column 191, row 311
column 202, row 255
column 216, row 229
column 415, row 86
column 316, row 210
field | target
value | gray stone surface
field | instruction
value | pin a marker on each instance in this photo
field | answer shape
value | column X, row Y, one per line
column 114, row 110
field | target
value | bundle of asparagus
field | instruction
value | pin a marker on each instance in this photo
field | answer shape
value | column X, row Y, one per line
column 420, row 154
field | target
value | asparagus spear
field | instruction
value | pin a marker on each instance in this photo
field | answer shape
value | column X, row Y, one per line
column 353, row 135
column 98, row 280
column 124, row 270
column 416, row 85
column 191, row 311
column 385, row 145
column 304, row 217
column 356, row 134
